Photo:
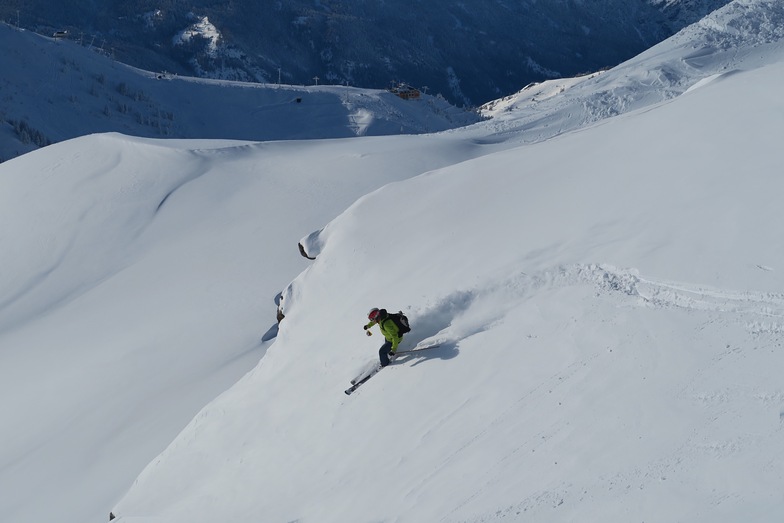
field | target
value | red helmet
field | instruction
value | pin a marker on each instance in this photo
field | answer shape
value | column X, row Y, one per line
column 373, row 314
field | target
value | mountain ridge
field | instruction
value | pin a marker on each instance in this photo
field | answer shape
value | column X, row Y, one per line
column 470, row 54
column 55, row 90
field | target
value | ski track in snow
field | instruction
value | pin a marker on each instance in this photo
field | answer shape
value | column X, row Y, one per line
column 765, row 310
column 760, row 313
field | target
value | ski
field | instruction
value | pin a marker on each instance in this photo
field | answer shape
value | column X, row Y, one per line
column 357, row 382
column 398, row 353
column 363, row 378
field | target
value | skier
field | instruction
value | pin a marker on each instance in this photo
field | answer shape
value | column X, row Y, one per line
column 390, row 331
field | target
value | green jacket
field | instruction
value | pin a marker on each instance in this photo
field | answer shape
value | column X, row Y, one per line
column 389, row 330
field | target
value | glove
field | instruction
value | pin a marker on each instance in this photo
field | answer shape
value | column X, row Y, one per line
column 365, row 327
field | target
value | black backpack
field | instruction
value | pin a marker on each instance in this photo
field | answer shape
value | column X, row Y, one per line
column 401, row 321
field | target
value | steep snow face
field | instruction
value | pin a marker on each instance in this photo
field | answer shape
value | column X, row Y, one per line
column 610, row 324
column 609, row 307
column 138, row 279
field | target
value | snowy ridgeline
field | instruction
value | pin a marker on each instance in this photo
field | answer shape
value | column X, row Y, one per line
column 609, row 305
column 469, row 52
column 55, row 90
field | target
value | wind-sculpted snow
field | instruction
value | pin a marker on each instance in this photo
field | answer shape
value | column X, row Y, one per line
column 740, row 23
column 719, row 43
column 88, row 208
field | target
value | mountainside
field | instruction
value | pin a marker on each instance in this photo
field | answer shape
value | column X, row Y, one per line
column 598, row 263
column 609, row 331
column 470, row 52
column 54, row 90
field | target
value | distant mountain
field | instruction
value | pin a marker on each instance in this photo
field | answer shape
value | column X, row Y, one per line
column 471, row 52
column 54, row 90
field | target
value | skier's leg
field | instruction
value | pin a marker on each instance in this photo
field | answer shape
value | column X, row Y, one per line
column 383, row 353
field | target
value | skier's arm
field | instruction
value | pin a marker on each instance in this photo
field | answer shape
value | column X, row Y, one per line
column 395, row 342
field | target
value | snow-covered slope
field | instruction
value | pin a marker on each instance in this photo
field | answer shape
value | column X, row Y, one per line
column 611, row 325
column 138, row 278
column 609, row 303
